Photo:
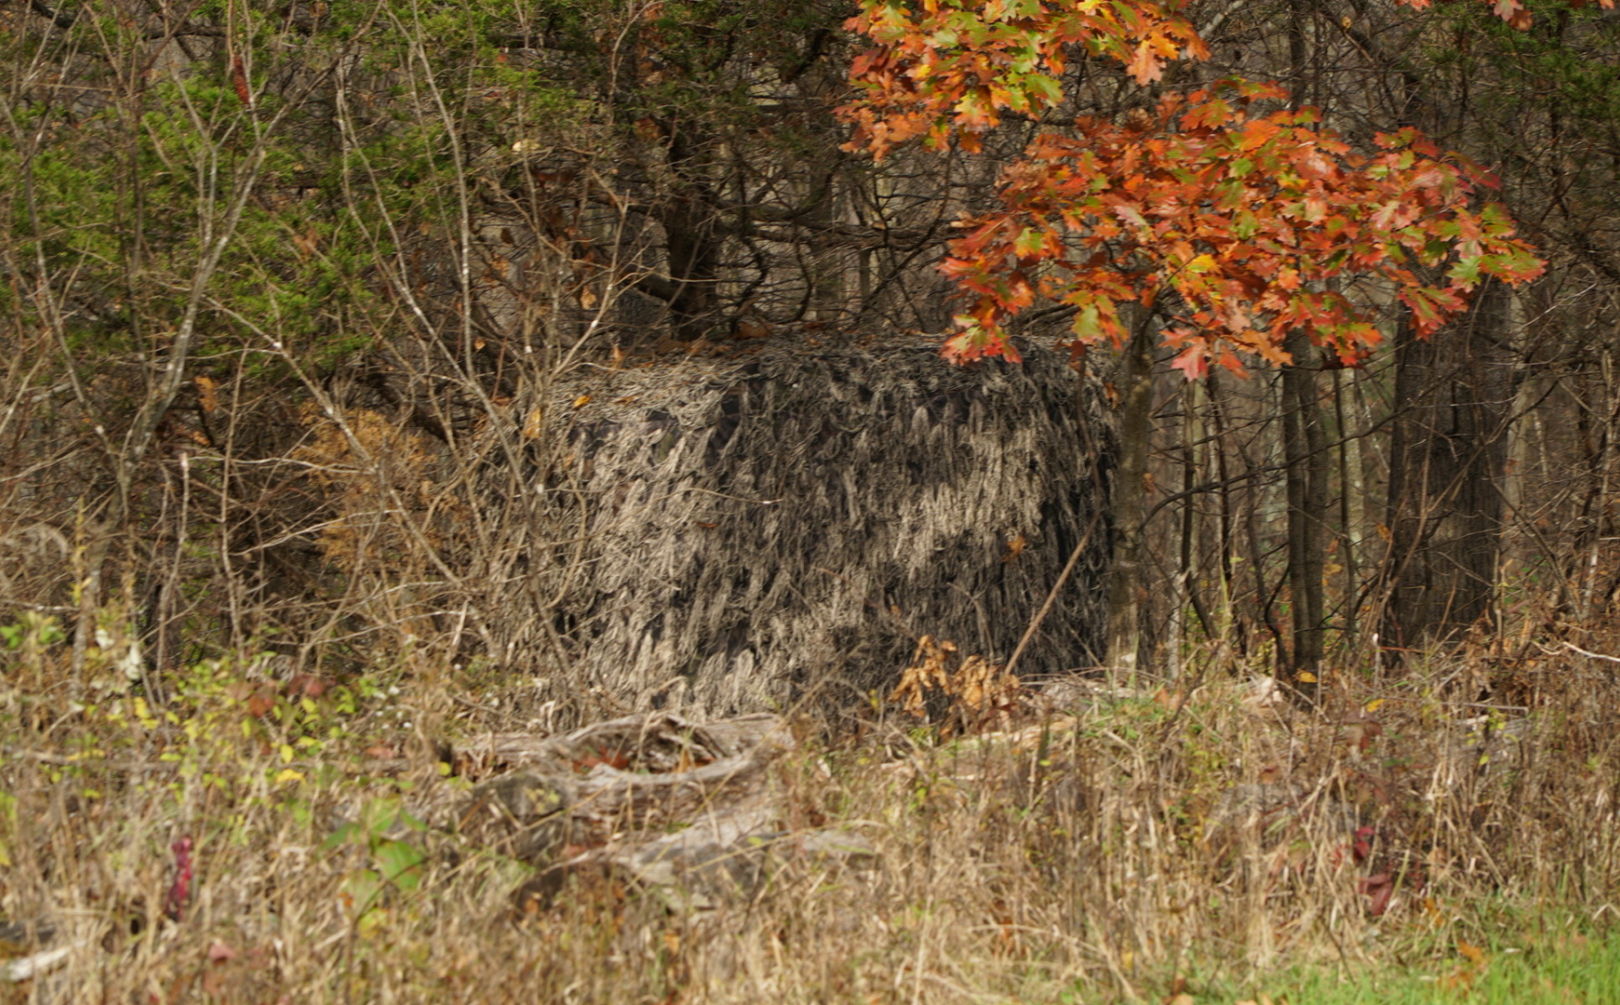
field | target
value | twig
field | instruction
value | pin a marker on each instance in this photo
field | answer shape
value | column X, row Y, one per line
column 1597, row 656
column 1051, row 595
column 27, row 967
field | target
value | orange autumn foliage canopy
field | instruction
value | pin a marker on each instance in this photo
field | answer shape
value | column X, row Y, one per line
column 1231, row 214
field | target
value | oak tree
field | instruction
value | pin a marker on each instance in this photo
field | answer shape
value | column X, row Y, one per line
column 1239, row 224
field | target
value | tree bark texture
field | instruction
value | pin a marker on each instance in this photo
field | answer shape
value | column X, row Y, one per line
column 1127, row 587
column 1306, row 460
column 1448, row 454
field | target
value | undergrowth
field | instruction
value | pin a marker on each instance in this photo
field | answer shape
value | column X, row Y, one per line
column 250, row 838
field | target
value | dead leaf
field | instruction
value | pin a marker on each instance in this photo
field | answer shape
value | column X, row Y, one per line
column 1168, row 700
column 260, row 703
column 308, row 244
column 1015, row 547
column 750, row 328
column 306, row 685
column 1470, row 952
column 207, row 393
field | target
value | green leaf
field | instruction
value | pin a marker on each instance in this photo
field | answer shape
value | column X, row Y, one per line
column 362, row 887
column 380, row 815
column 1465, row 272
column 400, row 864
column 1088, row 325
column 1045, row 88
column 1029, row 243
column 342, row 836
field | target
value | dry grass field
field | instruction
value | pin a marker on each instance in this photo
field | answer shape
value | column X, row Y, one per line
column 295, row 841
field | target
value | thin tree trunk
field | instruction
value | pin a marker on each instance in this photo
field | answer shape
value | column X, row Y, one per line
column 691, row 240
column 1305, row 463
column 1127, row 590
column 1187, row 566
column 1232, row 622
column 1350, row 486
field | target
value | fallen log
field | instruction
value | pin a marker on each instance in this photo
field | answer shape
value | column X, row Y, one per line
column 689, row 812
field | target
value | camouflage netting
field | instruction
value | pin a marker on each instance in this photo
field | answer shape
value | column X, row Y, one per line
column 782, row 525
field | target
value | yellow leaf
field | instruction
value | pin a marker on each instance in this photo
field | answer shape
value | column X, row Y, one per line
column 1374, row 705
column 1202, row 264
column 582, row 401
column 1305, row 677
column 207, row 393
column 289, row 775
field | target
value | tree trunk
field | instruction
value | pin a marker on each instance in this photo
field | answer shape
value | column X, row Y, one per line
column 694, row 266
column 692, row 241
column 1448, row 454
column 1127, row 590
column 1306, row 459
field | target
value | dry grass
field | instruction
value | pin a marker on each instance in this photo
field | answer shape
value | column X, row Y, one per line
column 1098, row 851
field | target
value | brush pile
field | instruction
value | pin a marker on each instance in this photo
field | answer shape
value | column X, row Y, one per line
column 782, row 526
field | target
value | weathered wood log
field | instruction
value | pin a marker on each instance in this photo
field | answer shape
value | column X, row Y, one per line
column 30, row 950
column 575, row 778
column 659, row 741
column 688, row 812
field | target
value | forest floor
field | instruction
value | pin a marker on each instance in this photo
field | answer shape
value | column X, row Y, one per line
column 1450, row 837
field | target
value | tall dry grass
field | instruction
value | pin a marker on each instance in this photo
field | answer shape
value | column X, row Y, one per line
column 1113, row 847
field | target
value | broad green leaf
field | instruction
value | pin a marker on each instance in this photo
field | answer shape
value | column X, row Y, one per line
column 400, row 864
column 1087, row 324
column 1029, row 243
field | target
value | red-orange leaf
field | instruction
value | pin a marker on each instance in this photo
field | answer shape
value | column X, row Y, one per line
column 1256, row 220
